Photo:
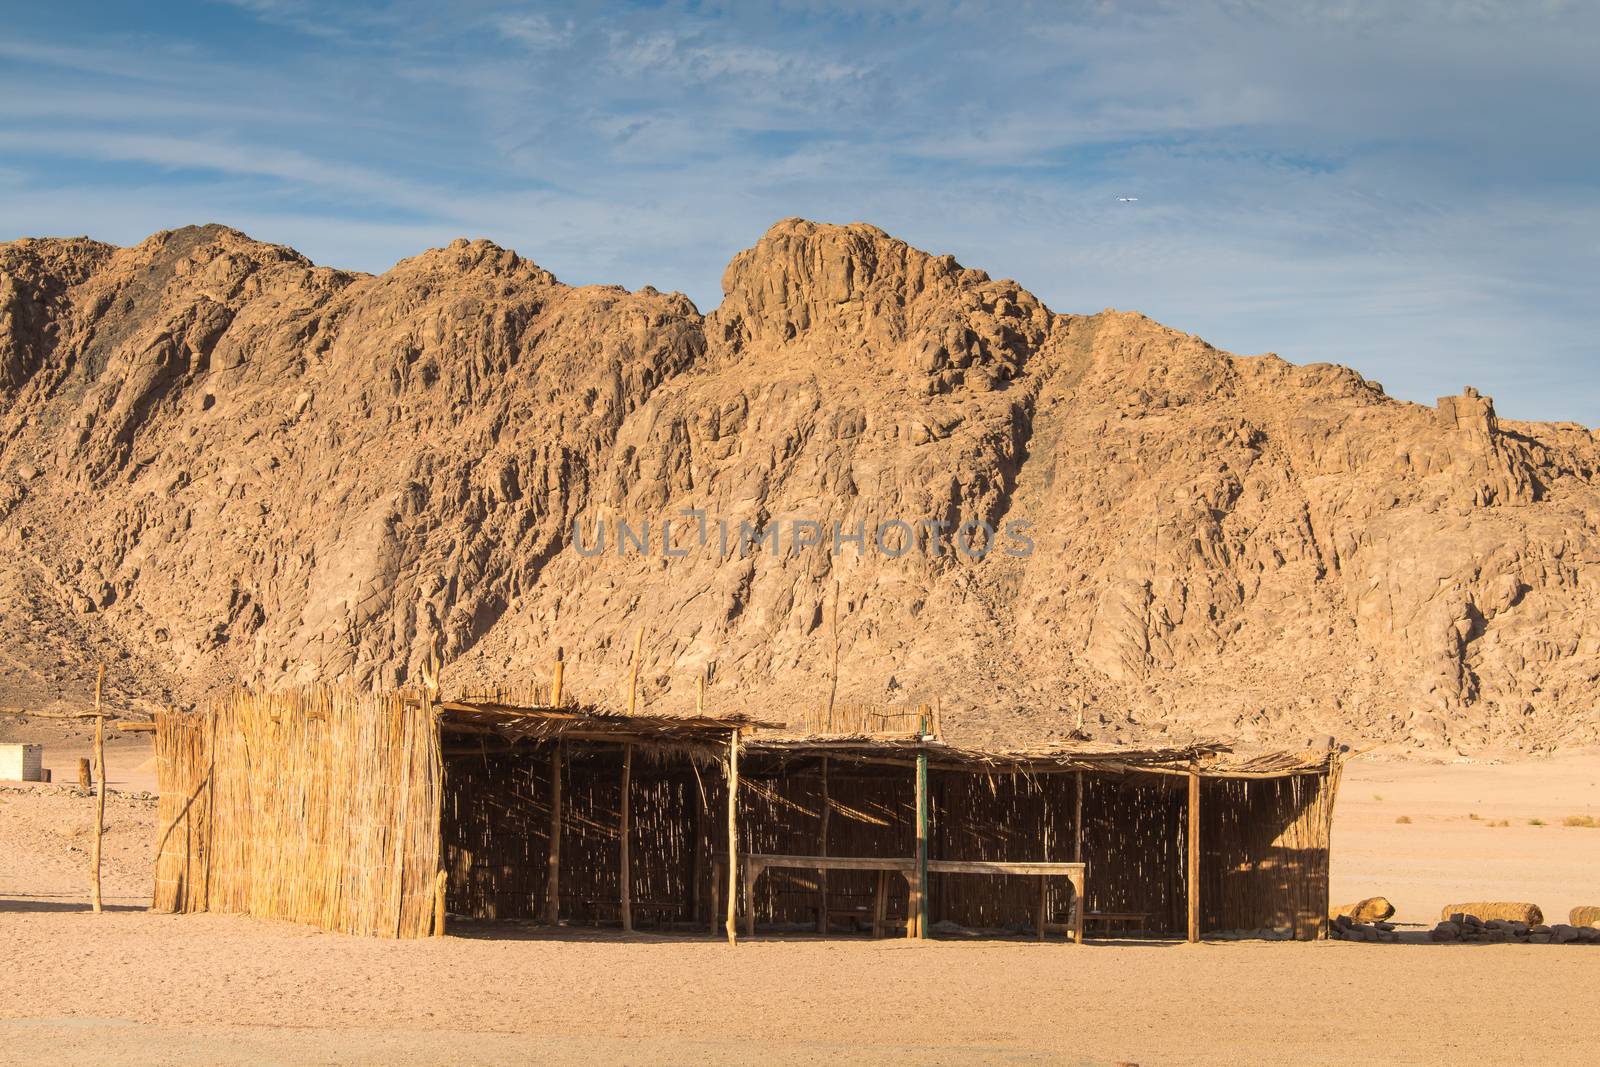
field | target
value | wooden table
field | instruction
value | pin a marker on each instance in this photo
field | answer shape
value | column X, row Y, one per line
column 1076, row 873
column 757, row 862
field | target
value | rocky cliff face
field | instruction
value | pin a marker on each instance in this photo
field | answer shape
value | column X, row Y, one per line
column 219, row 462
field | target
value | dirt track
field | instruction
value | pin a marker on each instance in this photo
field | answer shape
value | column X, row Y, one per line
column 132, row 987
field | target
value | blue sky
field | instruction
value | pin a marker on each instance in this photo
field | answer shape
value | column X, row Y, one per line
column 1408, row 188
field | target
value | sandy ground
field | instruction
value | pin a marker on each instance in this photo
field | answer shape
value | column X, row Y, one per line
column 1477, row 832
column 133, row 987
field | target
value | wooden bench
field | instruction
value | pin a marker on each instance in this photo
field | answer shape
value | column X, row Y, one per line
column 757, row 862
column 1125, row 921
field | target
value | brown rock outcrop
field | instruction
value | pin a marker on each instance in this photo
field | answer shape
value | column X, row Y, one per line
column 219, row 461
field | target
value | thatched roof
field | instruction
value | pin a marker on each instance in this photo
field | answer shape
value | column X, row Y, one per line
column 587, row 722
column 504, row 716
column 1210, row 758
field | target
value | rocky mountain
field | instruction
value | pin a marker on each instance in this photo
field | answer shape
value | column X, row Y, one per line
column 220, row 462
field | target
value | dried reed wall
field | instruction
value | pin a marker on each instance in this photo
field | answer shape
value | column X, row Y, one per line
column 1264, row 842
column 497, row 832
column 1265, row 852
column 319, row 806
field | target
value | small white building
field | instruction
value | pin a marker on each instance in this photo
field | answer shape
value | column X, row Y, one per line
column 21, row 763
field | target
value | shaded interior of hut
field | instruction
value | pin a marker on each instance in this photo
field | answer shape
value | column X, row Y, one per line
column 1262, row 840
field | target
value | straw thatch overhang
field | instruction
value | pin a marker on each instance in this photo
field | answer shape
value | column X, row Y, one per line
column 516, row 722
column 1210, row 759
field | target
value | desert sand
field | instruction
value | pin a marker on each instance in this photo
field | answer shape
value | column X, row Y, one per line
column 133, row 987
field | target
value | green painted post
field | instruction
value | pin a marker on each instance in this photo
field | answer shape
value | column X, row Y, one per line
column 922, row 826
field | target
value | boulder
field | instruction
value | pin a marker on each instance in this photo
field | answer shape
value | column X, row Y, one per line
column 1371, row 909
column 1487, row 910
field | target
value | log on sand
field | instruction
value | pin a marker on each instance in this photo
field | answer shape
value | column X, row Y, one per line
column 1510, row 911
column 1370, row 910
column 1585, row 915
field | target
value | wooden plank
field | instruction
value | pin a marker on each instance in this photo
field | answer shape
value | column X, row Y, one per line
column 1194, row 856
column 552, row 903
column 626, row 879
column 832, row 863
column 1026, row 867
column 909, row 864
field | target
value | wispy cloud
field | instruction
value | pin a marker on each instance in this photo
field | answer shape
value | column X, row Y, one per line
column 1410, row 188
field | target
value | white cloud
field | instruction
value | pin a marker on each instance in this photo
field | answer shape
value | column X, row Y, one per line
column 1408, row 188
column 536, row 31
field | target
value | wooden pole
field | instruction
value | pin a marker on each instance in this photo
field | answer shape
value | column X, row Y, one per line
column 100, row 776
column 627, row 820
column 552, row 901
column 1194, row 856
column 556, row 674
column 923, row 889
column 441, row 883
column 822, row 850
column 700, row 847
column 700, row 693
column 633, row 675
column 733, row 835
column 85, row 775
column 1077, row 821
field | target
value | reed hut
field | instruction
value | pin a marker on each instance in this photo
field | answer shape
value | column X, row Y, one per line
column 381, row 814
column 1183, row 841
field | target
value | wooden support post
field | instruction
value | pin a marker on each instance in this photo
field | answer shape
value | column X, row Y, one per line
column 1044, row 903
column 556, row 678
column 441, row 885
column 627, row 821
column 633, row 674
column 880, row 905
column 920, row 915
column 701, row 845
column 85, row 775
column 1079, row 904
column 1077, row 821
column 552, row 888
column 100, row 776
column 1194, row 856
column 700, row 693
column 822, row 850
column 733, row 835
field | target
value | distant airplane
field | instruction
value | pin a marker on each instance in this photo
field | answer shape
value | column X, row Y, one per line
column 1128, row 199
